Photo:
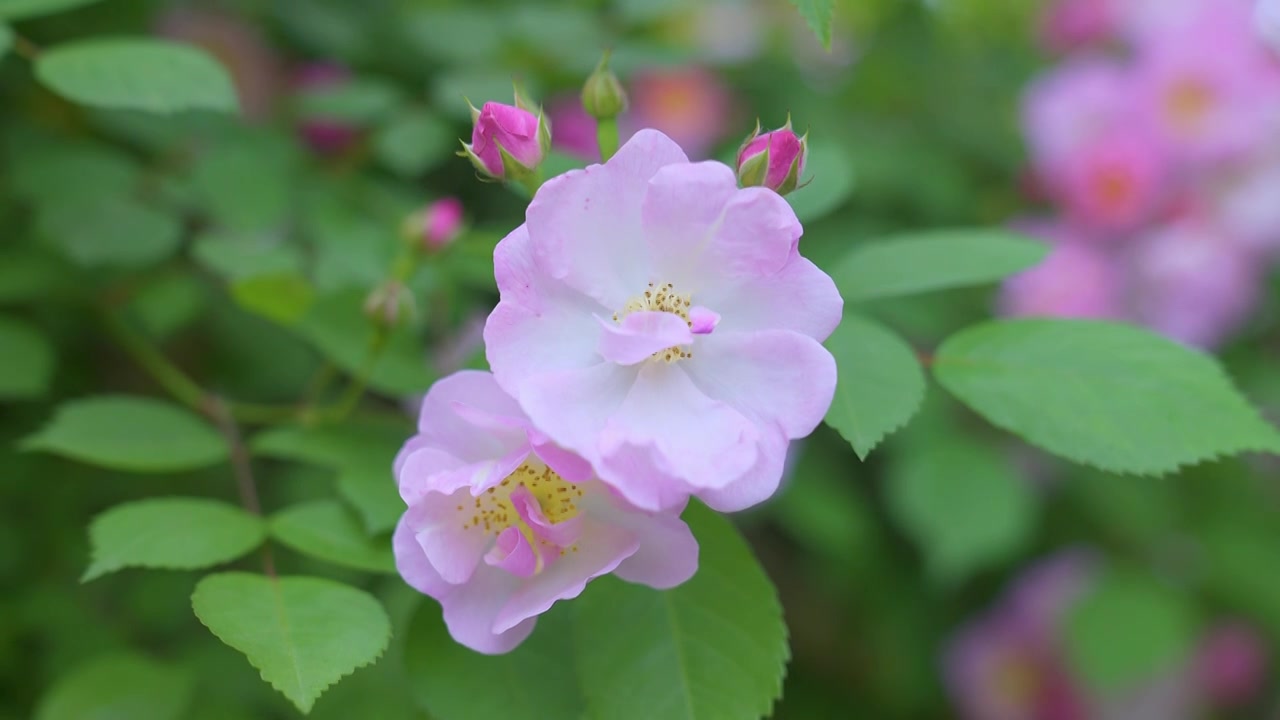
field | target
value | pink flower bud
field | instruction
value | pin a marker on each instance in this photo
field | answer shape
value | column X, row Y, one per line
column 507, row 141
column 325, row 136
column 441, row 222
column 1231, row 663
column 774, row 159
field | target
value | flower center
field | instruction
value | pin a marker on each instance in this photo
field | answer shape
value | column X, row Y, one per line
column 494, row 510
column 660, row 298
column 1188, row 102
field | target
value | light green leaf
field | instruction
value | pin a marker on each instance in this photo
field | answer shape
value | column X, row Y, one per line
column 830, row 177
column 1128, row 629
column 303, row 634
column 413, row 142
column 6, row 38
column 137, row 74
column 235, row 257
column 171, row 534
column 113, row 687
column 35, row 274
column 361, row 453
column 165, row 303
column 819, row 14
column 326, row 530
column 110, row 230
column 962, row 503
column 714, row 648
column 130, row 433
column 1103, row 394
column 26, row 364
column 282, row 297
column 934, row 260
column 455, row 683
column 360, row 101
column 879, row 385
column 246, row 181
column 23, row 9
column 337, row 326
column 69, row 171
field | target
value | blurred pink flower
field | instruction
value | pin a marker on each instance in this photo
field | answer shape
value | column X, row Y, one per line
column 1079, row 279
column 1070, row 24
column 441, row 222
column 573, row 130
column 1113, row 184
column 1248, row 203
column 1072, row 106
column 1267, row 20
column 325, row 136
column 1231, row 663
column 238, row 46
column 502, row 524
column 691, row 105
column 645, row 306
column 1193, row 282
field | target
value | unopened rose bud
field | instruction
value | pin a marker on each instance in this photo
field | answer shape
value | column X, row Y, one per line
column 774, row 159
column 435, row 226
column 388, row 304
column 602, row 95
column 508, row 142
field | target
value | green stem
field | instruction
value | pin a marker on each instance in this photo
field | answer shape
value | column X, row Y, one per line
column 607, row 138
column 532, row 182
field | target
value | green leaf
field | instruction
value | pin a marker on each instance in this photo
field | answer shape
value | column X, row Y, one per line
column 455, row 683
column 130, row 433
column 1128, row 629
column 303, row 634
column 138, row 74
column 819, row 14
column 361, row 101
column 713, row 648
column 109, row 230
column 283, row 297
column 65, row 171
column 26, row 365
column 830, row 177
column 171, row 534
column 34, row 274
column 361, row 453
column 934, row 260
column 962, row 503
column 324, row 529
column 413, row 142
column 235, row 257
column 246, row 181
column 1103, row 394
column 337, row 326
column 113, row 687
column 879, row 385
column 6, row 39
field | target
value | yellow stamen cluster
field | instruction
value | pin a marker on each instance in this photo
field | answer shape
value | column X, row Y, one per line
column 494, row 512
column 661, row 298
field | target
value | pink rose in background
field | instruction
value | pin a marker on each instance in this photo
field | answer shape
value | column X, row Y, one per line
column 1069, row 24
column 441, row 222
column 645, row 306
column 1248, row 204
column 1113, row 184
column 1072, row 106
column 327, row 137
column 1077, row 280
column 1231, row 664
column 1193, row 282
column 691, row 105
column 575, row 130
column 502, row 523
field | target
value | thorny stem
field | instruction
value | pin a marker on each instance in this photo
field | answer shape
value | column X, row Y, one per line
column 242, row 468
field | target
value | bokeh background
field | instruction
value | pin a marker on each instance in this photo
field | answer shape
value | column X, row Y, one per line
column 955, row 573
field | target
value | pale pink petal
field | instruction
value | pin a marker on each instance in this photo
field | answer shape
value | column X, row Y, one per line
column 439, row 423
column 798, row 297
column 682, row 209
column 640, row 335
column 412, row 562
column 703, row 321
column 453, row 551
column 598, row 552
column 536, row 309
column 572, row 406
column 469, row 612
column 668, row 552
column 757, row 484
column 774, row 377
column 566, row 464
column 756, row 236
column 416, row 466
column 703, row 441
column 585, row 224
column 512, row 553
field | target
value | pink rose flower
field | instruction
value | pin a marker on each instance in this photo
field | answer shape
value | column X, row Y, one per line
column 659, row 321
column 691, row 105
column 517, row 131
column 502, row 523
column 575, row 130
column 1072, row 106
column 774, row 159
column 1113, row 184
column 442, row 222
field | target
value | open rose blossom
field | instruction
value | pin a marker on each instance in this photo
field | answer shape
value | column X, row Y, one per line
column 659, row 321
column 501, row 523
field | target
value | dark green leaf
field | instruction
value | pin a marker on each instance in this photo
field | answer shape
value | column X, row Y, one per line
column 934, row 260
column 130, row 433
column 235, row 257
column 26, row 365
column 1103, row 394
column 413, row 142
column 138, row 74
column 819, row 14
column 361, row 101
column 303, row 634
column 829, row 174
column 171, row 534
column 114, row 687
column 326, row 530
column 23, row 9
column 109, row 230
column 880, row 383
column 337, row 326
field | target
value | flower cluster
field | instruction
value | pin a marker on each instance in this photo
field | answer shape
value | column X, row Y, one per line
column 658, row 337
column 1157, row 140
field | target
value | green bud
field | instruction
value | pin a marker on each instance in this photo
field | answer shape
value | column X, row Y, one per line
column 602, row 95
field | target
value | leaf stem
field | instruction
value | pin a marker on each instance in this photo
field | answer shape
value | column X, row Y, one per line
column 242, row 468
